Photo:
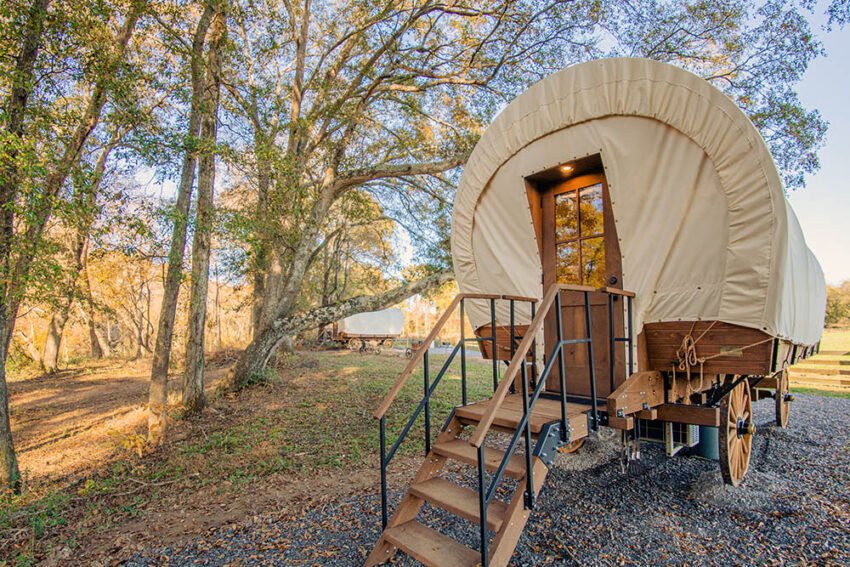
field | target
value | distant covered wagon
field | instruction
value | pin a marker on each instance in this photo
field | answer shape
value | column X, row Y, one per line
column 621, row 236
column 373, row 328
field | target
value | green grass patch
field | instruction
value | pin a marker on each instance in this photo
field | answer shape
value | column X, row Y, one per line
column 824, row 393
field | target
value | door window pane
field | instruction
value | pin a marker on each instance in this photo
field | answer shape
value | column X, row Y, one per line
column 567, row 263
column 593, row 261
column 590, row 200
column 566, row 219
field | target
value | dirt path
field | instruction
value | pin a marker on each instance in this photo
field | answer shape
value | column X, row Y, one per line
column 70, row 423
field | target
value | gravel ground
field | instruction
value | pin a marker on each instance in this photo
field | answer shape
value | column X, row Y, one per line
column 792, row 509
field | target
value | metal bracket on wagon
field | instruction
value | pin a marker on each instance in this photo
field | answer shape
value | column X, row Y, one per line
column 549, row 441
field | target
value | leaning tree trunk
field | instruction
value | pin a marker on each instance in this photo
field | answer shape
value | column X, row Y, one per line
column 158, row 397
column 193, row 399
column 252, row 363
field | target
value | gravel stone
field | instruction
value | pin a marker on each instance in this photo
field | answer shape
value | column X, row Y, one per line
column 793, row 508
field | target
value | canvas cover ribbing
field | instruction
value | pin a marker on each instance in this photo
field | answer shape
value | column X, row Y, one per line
column 705, row 230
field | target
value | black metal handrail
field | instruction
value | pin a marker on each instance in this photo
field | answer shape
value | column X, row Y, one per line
column 486, row 493
column 430, row 386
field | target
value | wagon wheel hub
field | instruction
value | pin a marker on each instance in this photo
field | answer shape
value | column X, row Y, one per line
column 745, row 427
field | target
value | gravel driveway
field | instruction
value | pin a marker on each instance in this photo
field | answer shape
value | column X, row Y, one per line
column 792, row 509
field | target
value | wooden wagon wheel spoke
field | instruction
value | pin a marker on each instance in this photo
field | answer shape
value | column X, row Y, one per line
column 735, row 439
column 783, row 398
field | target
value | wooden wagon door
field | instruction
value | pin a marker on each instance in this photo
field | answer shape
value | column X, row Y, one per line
column 579, row 246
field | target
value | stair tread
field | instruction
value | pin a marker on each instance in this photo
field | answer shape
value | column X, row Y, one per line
column 460, row 450
column 510, row 412
column 430, row 546
column 461, row 501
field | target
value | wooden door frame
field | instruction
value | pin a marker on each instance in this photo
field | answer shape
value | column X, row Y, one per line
column 541, row 195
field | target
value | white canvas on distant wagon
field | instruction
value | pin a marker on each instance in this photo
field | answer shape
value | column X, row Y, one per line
column 385, row 322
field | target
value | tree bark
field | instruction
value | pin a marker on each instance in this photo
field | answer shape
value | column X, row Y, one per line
column 15, row 111
column 252, row 362
column 193, row 399
column 158, row 397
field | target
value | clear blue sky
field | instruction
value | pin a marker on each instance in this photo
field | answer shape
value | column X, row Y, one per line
column 823, row 206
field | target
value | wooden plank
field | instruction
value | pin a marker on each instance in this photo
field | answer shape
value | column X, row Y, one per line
column 460, row 450
column 651, row 414
column 696, row 415
column 430, row 546
column 460, row 501
column 642, row 390
column 664, row 339
column 617, row 291
column 510, row 413
column 627, row 423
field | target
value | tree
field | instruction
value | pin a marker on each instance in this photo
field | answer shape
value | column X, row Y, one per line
column 14, row 111
column 193, row 375
column 158, row 397
column 838, row 305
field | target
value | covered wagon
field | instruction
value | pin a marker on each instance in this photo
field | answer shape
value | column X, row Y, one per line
column 622, row 241
column 372, row 329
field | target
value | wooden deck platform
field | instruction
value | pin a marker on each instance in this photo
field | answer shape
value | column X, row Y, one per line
column 545, row 411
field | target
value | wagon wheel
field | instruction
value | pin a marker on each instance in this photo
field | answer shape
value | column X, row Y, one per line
column 572, row 446
column 408, row 353
column 353, row 344
column 388, row 343
column 736, row 433
column 783, row 398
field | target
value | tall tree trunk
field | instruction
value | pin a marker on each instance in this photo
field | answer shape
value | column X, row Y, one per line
column 15, row 111
column 85, row 197
column 99, row 345
column 252, row 362
column 193, row 398
column 217, row 311
column 158, row 397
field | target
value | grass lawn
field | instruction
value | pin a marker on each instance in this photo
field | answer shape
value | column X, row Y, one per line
column 307, row 432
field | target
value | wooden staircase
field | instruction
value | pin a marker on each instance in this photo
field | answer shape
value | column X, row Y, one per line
column 505, row 519
column 539, row 422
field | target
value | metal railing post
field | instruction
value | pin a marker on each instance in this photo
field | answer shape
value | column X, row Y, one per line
column 630, row 336
column 612, row 339
column 533, row 351
column 493, row 343
column 589, row 327
column 562, row 370
column 427, row 406
column 482, row 505
column 462, row 353
column 529, row 490
column 383, row 473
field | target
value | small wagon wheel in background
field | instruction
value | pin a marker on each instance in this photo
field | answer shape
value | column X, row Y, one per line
column 783, row 398
column 388, row 343
column 354, row 344
column 572, row 446
column 736, row 433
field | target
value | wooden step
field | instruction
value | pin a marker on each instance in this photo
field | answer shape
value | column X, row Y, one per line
column 461, row 450
column 460, row 501
column 430, row 546
column 510, row 412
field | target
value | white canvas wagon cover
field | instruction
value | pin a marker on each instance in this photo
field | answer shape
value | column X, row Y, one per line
column 384, row 322
column 705, row 230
